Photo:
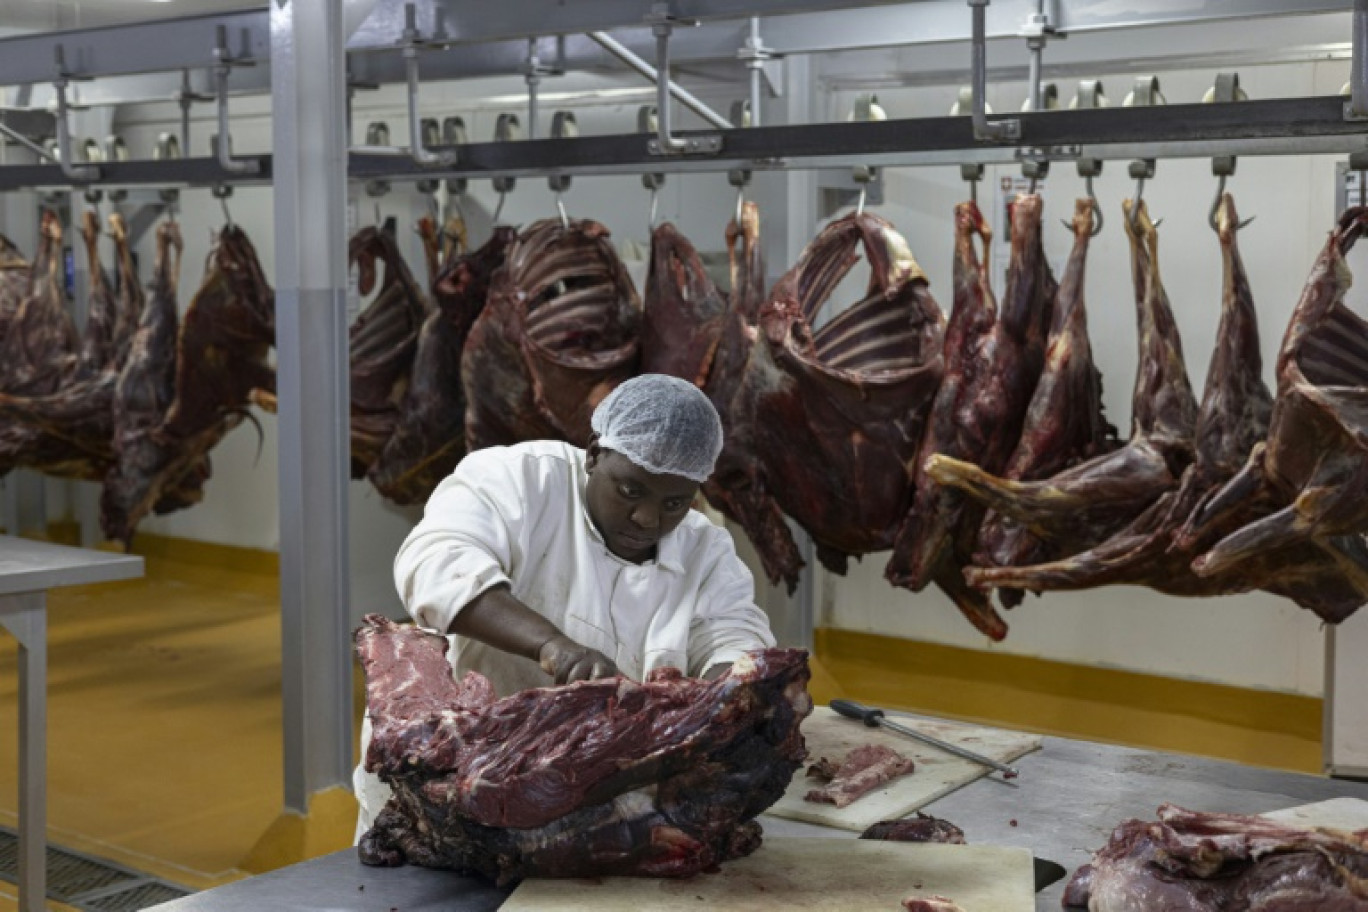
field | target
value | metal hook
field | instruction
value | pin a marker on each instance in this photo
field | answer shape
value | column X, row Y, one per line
column 221, row 193
column 1135, row 206
column 378, row 219
column 655, row 200
column 860, row 204
column 740, row 200
column 498, row 210
column 1031, row 187
column 1216, row 206
column 560, row 207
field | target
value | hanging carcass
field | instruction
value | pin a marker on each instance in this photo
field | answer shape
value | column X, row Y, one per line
column 993, row 358
column 736, row 487
column 142, row 396
column 222, row 355
column 559, row 332
column 40, row 344
column 684, row 311
column 1064, row 423
column 836, row 413
column 1233, row 418
column 429, row 432
column 1084, row 505
column 99, row 341
column 1313, row 469
column 14, row 281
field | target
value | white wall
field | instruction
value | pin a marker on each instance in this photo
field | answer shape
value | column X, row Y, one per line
column 1254, row 640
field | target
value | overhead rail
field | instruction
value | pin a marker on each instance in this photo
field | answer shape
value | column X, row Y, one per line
column 1285, row 126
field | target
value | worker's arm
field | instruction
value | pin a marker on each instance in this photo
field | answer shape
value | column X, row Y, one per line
column 496, row 618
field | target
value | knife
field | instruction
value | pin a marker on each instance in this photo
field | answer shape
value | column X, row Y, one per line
column 1047, row 872
column 875, row 717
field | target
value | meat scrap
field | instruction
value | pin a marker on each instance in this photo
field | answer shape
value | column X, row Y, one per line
column 559, row 332
column 921, row 828
column 993, row 360
column 931, row 904
column 736, row 488
column 1189, row 861
column 836, row 412
column 660, row 778
column 864, row 769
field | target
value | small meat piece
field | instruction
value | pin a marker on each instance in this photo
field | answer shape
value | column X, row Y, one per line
column 823, row 769
column 863, row 770
column 922, row 828
column 931, row 904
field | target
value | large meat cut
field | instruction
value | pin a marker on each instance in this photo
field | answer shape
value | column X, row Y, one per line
column 1233, row 418
column 993, row 359
column 381, row 343
column 1199, row 862
column 559, row 332
column 836, row 412
column 659, row 778
column 143, row 394
column 683, row 311
column 1084, row 505
column 1064, row 423
column 221, row 357
column 1314, row 467
column 429, row 431
column 736, row 487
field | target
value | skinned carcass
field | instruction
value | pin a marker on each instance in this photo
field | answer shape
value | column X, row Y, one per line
column 99, row 341
column 1233, row 418
column 38, row 350
column 993, row 358
column 14, row 281
column 683, row 312
column 429, row 433
column 661, row 778
column 559, row 332
column 736, row 487
column 1189, row 861
column 143, row 395
column 1064, row 423
column 382, row 344
column 1084, row 505
column 837, row 412
column 1313, row 469
column 222, row 354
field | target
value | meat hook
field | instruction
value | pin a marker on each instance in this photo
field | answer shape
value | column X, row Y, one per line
column 1135, row 206
column 860, row 204
column 560, row 207
column 1096, row 211
column 655, row 200
column 498, row 210
column 1216, row 205
column 221, row 193
column 740, row 201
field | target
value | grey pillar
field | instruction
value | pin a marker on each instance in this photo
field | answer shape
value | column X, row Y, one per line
column 308, row 81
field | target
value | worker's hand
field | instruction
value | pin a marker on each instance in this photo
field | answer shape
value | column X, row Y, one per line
column 567, row 661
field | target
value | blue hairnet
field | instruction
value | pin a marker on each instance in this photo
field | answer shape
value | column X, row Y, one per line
column 663, row 424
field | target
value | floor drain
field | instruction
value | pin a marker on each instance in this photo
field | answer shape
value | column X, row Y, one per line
column 90, row 883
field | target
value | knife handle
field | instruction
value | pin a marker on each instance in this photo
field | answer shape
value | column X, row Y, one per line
column 852, row 710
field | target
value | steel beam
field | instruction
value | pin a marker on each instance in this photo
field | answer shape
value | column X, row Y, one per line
column 309, row 137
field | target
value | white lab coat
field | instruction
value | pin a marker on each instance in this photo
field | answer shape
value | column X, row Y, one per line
column 517, row 516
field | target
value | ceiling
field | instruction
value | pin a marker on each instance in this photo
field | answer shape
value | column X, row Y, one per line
column 52, row 15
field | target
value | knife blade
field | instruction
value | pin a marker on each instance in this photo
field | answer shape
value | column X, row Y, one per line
column 875, row 718
column 1047, row 872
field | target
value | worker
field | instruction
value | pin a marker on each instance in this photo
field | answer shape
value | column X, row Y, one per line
column 548, row 564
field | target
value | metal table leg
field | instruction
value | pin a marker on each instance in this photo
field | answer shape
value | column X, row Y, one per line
column 25, row 616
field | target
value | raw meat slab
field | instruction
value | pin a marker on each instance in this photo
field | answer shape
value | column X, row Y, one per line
column 824, row 875
column 938, row 774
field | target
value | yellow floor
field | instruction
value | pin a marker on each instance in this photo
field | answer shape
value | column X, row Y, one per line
column 164, row 714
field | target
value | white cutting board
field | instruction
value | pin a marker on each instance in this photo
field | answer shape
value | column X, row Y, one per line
column 1336, row 814
column 937, row 774
column 820, row 874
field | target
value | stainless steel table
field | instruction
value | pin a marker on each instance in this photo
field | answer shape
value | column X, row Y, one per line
column 1070, row 796
column 27, row 570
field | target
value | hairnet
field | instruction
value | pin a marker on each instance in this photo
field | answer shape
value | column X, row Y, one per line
column 663, row 424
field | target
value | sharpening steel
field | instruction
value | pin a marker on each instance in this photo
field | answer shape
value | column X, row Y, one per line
column 875, row 717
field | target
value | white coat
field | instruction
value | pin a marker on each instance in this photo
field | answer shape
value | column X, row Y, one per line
column 517, row 516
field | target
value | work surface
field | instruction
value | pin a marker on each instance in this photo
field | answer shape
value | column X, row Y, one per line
column 1069, row 797
column 32, row 566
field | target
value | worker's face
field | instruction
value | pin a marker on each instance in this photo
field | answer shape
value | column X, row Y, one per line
column 631, row 507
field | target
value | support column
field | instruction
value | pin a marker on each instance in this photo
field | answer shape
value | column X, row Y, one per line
column 25, row 616
column 308, row 94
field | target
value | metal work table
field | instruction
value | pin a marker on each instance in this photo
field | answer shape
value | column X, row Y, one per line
column 27, row 570
column 1068, row 799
